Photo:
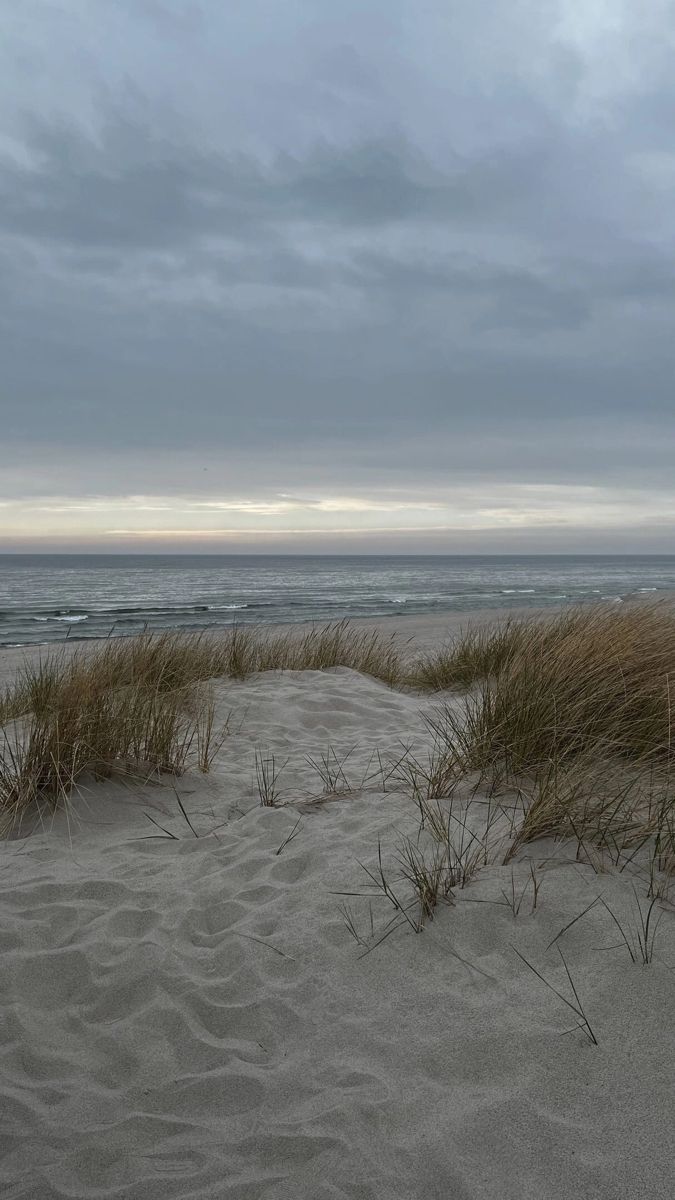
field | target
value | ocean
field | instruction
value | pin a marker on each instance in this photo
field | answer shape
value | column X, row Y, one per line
column 46, row 598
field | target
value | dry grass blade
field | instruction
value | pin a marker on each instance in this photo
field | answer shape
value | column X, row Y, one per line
column 575, row 1006
column 621, row 930
column 261, row 941
column 648, row 929
column 574, row 920
column 536, row 886
column 165, row 832
column 186, row 818
column 289, row 837
column 350, row 924
column 209, row 742
column 515, row 896
column 642, row 940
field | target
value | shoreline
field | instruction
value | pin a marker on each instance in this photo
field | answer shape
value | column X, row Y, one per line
column 410, row 632
column 418, row 631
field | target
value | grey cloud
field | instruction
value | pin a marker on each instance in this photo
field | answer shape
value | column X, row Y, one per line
column 132, row 189
column 517, row 298
column 170, row 18
column 125, row 193
column 436, row 250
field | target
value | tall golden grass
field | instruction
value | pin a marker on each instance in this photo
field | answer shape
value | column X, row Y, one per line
column 141, row 703
column 574, row 713
column 76, row 722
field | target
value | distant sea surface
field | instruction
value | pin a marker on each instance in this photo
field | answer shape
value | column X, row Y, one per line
column 46, row 598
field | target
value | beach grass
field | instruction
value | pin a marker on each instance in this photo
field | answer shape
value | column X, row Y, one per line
column 81, row 725
column 572, row 714
column 168, row 662
column 142, row 704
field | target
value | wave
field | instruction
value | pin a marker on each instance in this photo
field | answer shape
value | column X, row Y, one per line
column 165, row 610
column 122, row 615
column 70, row 619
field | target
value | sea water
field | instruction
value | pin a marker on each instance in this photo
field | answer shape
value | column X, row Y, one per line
column 46, row 598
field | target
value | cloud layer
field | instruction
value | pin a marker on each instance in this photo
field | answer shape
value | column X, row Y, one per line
column 409, row 264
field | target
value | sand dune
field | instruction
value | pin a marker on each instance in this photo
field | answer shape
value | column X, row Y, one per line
column 190, row 1017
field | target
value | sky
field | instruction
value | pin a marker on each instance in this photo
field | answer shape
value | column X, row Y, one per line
column 340, row 276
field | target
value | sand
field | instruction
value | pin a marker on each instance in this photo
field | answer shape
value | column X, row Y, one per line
column 190, row 1017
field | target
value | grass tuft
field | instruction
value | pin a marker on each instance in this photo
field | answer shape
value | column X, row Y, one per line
column 331, row 771
column 573, row 715
column 267, row 772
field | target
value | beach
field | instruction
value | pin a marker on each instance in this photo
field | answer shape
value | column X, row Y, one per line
column 337, row 601
column 205, row 996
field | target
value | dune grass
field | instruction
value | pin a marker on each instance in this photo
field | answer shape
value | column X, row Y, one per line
column 81, row 725
column 142, row 703
column 572, row 714
column 169, row 662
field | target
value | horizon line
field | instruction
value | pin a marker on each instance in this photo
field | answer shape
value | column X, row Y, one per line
column 329, row 554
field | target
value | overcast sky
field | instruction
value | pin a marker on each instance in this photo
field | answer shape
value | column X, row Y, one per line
column 339, row 275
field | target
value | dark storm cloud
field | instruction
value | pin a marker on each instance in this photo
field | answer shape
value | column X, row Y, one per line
column 440, row 240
